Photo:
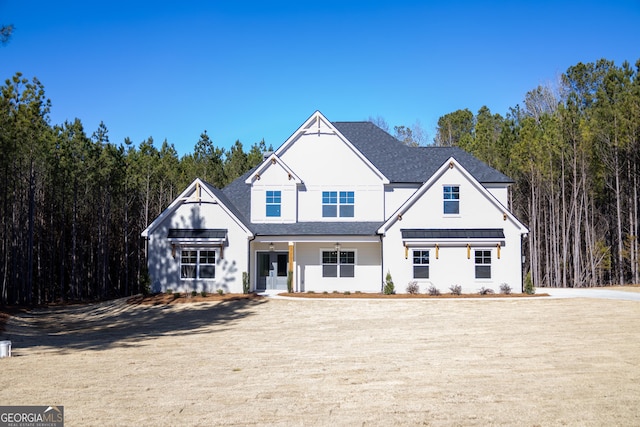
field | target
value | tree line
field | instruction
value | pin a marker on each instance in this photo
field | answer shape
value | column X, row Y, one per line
column 73, row 204
column 573, row 150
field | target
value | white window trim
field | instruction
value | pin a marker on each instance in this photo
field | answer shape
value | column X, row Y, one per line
column 483, row 279
column 355, row 262
column 413, row 264
column 337, row 205
column 452, row 215
column 267, row 204
column 198, row 249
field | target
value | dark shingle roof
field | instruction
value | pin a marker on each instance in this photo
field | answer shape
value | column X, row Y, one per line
column 404, row 164
column 398, row 162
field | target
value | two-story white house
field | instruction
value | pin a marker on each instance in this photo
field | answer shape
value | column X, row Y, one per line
column 337, row 207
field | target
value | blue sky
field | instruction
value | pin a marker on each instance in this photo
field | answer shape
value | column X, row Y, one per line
column 250, row 70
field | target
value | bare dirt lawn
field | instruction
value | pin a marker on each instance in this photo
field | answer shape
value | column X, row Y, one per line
column 518, row 361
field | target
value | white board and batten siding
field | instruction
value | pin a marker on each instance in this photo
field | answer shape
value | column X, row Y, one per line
column 452, row 263
column 326, row 162
column 191, row 213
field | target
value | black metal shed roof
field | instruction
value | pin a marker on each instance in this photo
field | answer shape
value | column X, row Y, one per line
column 453, row 233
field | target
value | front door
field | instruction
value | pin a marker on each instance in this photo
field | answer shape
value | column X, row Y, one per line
column 272, row 270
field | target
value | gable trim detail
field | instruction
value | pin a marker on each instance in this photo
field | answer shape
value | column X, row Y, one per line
column 325, row 127
column 270, row 161
column 193, row 194
column 450, row 164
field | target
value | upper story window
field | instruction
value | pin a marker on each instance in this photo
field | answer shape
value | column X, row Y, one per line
column 274, row 200
column 197, row 264
column 338, row 203
column 329, row 203
column 451, row 196
column 420, row 264
column 346, row 204
column 483, row 264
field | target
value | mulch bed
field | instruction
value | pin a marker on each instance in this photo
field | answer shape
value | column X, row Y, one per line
column 404, row 296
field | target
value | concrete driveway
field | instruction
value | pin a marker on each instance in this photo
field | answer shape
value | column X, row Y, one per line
column 590, row 293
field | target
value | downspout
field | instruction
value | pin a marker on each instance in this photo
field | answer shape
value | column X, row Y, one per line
column 381, row 264
column 251, row 239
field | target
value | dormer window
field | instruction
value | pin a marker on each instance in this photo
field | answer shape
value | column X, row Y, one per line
column 451, row 196
column 274, row 200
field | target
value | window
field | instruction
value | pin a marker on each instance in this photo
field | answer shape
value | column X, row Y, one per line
column 333, row 206
column 197, row 264
column 274, row 199
column 483, row 264
column 346, row 204
column 188, row 264
column 420, row 264
column 347, row 263
column 451, row 196
column 329, row 264
column 329, row 203
column 338, row 264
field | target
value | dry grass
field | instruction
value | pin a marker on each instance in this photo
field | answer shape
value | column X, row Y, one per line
column 440, row 362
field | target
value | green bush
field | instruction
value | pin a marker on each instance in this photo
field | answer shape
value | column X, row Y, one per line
column 220, row 292
column 290, row 282
column 528, row 285
column 169, row 291
column 389, row 288
column 245, row 282
column 194, row 293
column 347, row 292
column 203, row 294
column 145, row 281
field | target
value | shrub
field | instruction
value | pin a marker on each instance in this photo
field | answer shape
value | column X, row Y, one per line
column 176, row 295
column 290, row 281
column 325, row 292
column 169, row 291
column 145, row 281
column 220, row 292
column 505, row 289
column 311, row 292
column 347, row 293
column 528, row 285
column 389, row 288
column 245, row 282
column 194, row 293
column 413, row 288
column 203, row 294
column 455, row 289
column 486, row 291
column 433, row 291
